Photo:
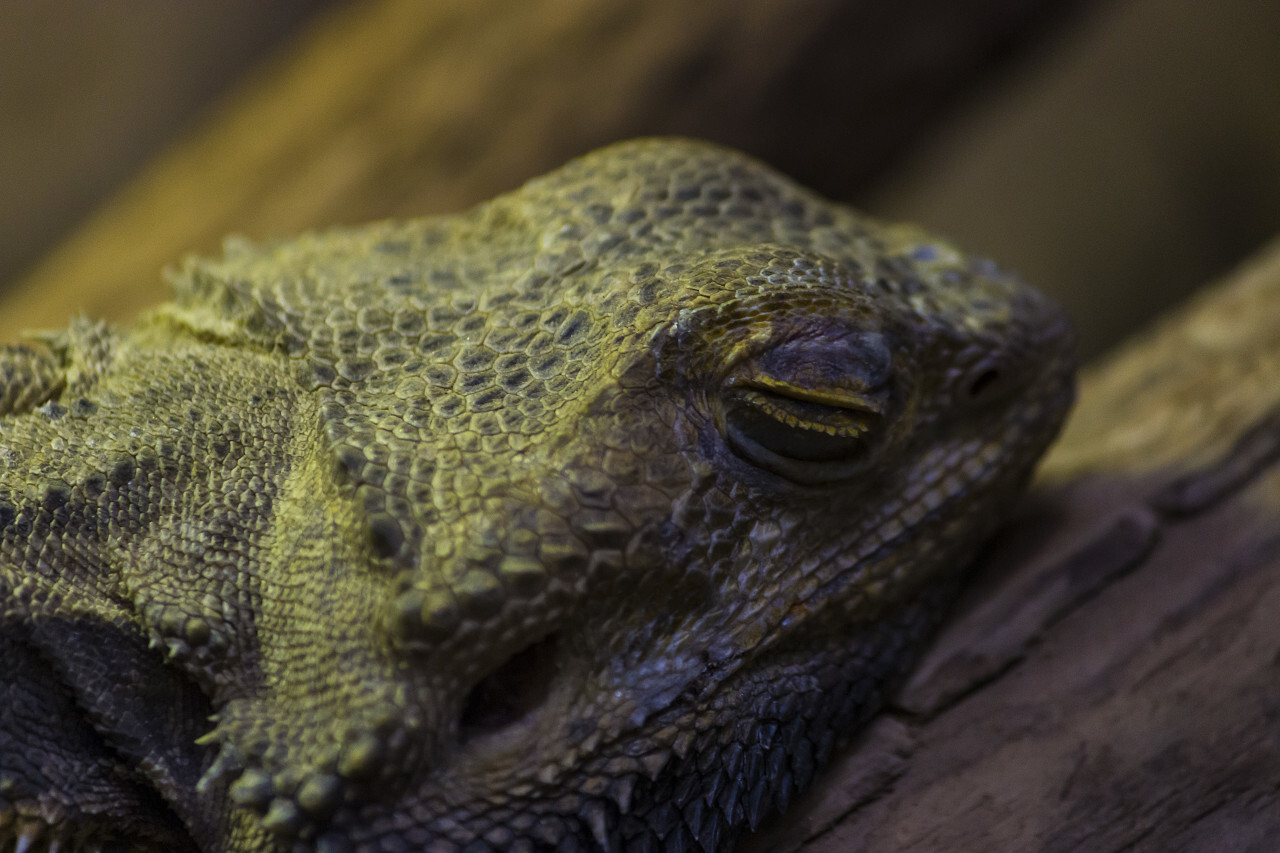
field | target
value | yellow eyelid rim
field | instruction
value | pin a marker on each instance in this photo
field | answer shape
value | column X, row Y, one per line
column 834, row 397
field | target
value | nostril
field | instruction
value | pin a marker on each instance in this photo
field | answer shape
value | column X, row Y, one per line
column 983, row 383
column 510, row 692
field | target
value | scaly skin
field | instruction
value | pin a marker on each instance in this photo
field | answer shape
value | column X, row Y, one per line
column 595, row 517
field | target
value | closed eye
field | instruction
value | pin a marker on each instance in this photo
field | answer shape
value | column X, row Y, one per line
column 806, row 436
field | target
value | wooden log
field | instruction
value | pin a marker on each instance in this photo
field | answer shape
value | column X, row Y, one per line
column 1110, row 679
column 404, row 108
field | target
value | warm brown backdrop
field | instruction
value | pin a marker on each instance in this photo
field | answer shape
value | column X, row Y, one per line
column 1118, row 153
column 1110, row 682
column 89, row 92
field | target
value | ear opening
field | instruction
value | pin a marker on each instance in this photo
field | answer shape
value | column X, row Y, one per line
column 513, row 690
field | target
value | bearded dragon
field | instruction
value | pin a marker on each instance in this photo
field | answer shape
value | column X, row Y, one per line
column 594, row 518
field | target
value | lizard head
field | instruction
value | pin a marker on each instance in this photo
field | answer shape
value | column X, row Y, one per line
column 628, row 496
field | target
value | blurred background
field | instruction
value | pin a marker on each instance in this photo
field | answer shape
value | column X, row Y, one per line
column 1118, row 153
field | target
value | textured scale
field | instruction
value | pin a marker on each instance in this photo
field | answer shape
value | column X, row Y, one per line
column 596, row 517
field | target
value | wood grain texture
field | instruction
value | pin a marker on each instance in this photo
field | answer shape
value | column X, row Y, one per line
column 400, row 108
